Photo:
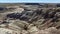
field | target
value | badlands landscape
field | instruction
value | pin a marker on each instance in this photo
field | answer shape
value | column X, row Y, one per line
column 29, row 18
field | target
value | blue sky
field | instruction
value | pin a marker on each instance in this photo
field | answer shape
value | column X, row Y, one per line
column 29, row 1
